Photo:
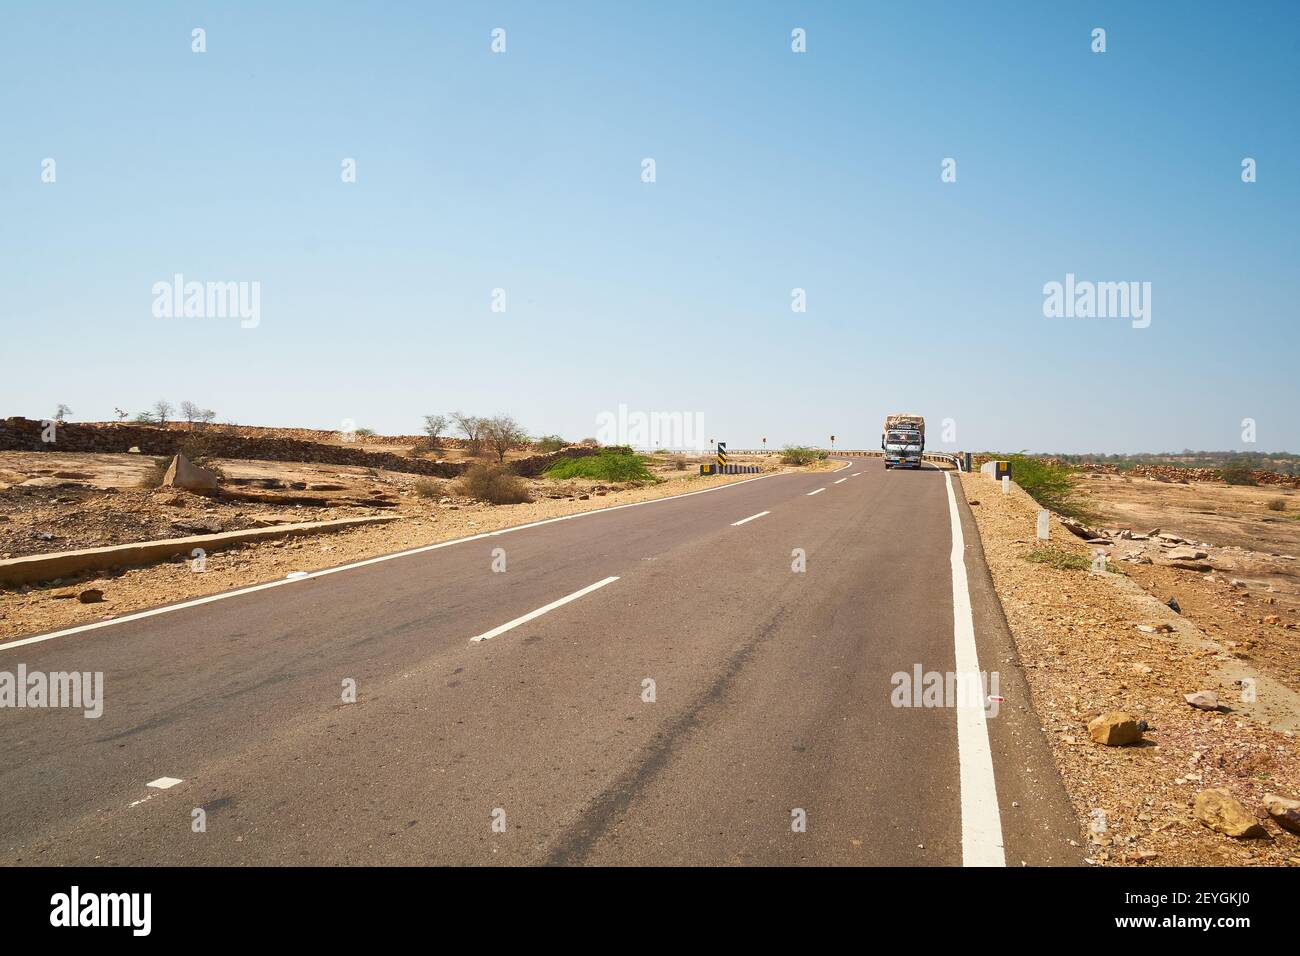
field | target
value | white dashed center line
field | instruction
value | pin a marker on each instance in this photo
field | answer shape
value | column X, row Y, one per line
column 488, row 635
column 817, row 492
column 750, row 518
column 163, row 783
column 844, row 479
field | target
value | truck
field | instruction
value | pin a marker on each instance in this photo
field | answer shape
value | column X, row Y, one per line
column 903, row 441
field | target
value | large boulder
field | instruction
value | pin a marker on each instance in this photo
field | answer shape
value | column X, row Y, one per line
column 1221, row 811
column 183, row 473
column 1284, row 811
column 1115, row 729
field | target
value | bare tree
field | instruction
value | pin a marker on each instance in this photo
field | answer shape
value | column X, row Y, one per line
column 63, row 412
column 190, row 411
column 162, row 410
column 207, row 415
column 119, row 413
column 471, row 427
column 502, row 433
column 434, row 426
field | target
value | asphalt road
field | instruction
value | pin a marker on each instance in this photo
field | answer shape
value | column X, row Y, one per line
column 711, row 705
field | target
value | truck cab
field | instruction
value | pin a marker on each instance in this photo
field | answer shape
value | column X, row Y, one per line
column 903, row 441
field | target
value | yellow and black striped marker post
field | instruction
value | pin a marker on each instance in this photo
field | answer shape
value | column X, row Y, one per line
column 722, row 455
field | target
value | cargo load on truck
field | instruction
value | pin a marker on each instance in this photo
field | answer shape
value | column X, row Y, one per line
column 903, row 440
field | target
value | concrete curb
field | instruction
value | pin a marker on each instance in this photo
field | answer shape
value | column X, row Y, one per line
column 66, row 564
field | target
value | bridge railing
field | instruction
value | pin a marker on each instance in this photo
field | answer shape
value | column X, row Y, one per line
column 956, row 460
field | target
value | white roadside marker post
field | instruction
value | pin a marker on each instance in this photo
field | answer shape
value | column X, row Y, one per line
column 1043, row 530
column 1006, row 484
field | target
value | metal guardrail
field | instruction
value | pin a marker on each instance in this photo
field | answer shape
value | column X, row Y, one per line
column 956, row 460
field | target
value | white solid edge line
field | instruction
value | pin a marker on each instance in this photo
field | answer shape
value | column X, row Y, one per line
column 750, row 518
column 488, row 635
column 138, row 615
column 981, row 822
column 817, row 492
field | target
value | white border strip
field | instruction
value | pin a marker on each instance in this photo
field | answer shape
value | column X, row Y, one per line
column 488, row 635
column 139, row 615
column 981, row 822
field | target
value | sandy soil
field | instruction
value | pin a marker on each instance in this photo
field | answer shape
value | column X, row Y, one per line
column 1249, row 598
column 1078, row 638
column 83, row 516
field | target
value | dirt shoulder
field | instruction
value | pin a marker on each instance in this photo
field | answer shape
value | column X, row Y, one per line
column 77, row 516
column 1078, row 637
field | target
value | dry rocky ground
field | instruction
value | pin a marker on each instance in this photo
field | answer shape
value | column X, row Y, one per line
column 1093, row 643
column 55, row 501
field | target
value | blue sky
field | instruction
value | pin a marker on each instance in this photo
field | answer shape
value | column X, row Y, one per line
column 775, row 170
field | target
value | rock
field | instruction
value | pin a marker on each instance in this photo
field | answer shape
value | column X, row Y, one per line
column 133, row 450
column 45, row 482
column 1172, row 604
column 1078, row 529
column 325, row 486
column 1203, row 700
column 1284, row 811
column 267, row 520
column 1185, row 554
column 1115, row 729
column 1222, row 812
column 1155, row 628
column 199, row 525
column 90, row 596
column 1272, row 619
column 1198, row 566
column 182, row 473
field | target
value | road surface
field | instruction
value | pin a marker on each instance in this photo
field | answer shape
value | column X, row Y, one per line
column 696, row 700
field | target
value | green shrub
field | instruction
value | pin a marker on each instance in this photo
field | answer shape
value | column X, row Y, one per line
column 801, row 455
column 609, row 464
column 1062, row 560
column 495, row 484
column 549, row 443
column 679, row 462
column 1052, row 486
column 1237, row 475
column 1277, row 504
column 427, row 488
